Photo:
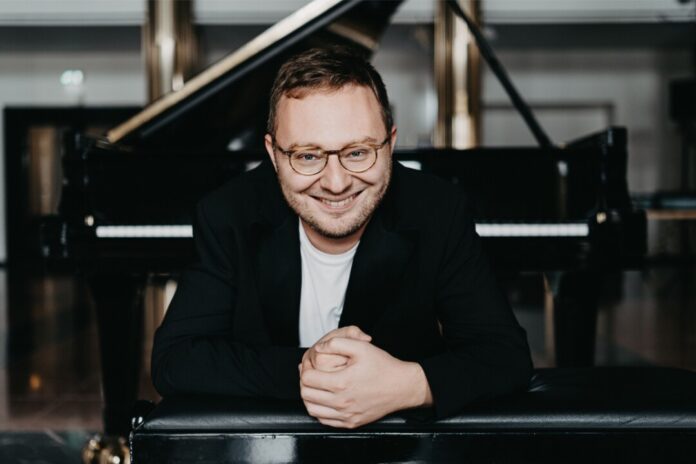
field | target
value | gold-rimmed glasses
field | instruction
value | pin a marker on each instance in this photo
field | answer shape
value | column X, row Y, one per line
column 356, row 157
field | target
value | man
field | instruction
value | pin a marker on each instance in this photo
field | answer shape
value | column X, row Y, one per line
column 335, row 275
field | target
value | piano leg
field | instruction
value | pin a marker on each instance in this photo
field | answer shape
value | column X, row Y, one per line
column 118, row 299
column 575, row 318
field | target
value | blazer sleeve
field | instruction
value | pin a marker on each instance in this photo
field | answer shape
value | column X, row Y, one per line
column 486, row 351
column 194, row 350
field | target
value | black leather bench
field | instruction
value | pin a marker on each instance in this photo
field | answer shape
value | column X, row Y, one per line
column 621, row 414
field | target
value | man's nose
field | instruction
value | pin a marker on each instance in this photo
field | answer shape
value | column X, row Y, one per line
column 335, row 178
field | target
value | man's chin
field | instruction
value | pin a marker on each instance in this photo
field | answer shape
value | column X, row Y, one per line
column 335, row 233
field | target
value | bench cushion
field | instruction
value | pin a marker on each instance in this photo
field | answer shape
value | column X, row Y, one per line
column 606, row 398
column 605, row 415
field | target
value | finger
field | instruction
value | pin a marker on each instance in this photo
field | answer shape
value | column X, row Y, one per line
column 306, row 364
column 325, row 361
column 329, row 362
column 312, row 356
column 351, row 331
column 329, row 335
column 355, row 332
column 323, row 412
column 328, row 381
column 308, row 356
column 316, row 396
column 343, row 346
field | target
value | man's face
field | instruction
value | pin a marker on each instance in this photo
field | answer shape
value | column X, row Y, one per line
column 336, row 203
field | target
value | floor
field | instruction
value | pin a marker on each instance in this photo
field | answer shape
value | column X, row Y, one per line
column 49, row 369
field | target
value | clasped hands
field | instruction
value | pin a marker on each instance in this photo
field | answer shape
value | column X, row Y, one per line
column 346, row 381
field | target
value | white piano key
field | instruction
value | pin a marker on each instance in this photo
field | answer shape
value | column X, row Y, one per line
column 145, row 231
column 579, row 229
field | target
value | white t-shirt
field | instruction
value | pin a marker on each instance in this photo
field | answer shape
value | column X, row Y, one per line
column 324, row 282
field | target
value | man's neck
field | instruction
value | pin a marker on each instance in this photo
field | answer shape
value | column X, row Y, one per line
column 333, row 246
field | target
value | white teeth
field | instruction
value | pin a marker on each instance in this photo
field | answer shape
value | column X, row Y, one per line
column 337, row 204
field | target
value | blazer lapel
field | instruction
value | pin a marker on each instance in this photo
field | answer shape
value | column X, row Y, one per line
column 377, row 273
column 278, row 265
column 279, row 277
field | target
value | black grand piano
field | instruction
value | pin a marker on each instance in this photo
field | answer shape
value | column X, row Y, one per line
column 127, row 198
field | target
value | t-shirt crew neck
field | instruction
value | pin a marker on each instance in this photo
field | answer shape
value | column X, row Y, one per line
column 324, row 281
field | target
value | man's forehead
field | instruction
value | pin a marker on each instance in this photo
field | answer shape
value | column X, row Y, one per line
column 310, row 144
column 326, row 90
column 349, row 114
column 300, row 94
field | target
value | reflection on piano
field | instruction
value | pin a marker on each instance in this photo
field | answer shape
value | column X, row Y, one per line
column 127, row 198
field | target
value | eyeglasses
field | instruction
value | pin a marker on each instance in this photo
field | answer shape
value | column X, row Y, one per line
column 354, row 158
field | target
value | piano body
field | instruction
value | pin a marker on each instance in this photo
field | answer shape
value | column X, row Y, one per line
column 126, row 205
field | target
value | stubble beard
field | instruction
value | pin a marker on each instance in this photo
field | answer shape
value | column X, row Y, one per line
column 341, row 230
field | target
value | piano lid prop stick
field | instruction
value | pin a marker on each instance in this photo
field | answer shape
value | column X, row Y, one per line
column 488, row 54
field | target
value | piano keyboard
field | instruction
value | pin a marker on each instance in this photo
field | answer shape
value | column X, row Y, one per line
column 561, row 229
column 510, row 230
column 144, row 231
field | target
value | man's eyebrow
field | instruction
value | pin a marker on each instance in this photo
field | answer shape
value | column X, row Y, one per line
column 297, row 145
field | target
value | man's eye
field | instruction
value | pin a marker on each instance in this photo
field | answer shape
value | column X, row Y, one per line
column 306, row 157
column 357, row 153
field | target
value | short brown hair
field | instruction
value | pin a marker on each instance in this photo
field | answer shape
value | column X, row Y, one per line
column 326, row 68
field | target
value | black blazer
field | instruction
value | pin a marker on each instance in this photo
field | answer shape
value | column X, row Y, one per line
column 419, row 285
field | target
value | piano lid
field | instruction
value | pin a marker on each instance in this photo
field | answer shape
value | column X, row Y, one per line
column 226, row 105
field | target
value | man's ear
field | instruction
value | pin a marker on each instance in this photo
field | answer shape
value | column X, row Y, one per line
column 268, row 142
column 392, row 135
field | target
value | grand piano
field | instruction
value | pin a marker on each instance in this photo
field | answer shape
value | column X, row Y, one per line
column 126, row 204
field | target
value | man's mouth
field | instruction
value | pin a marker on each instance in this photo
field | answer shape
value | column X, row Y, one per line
column 338, row 204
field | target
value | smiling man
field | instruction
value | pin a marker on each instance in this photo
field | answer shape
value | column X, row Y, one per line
column 334, row 275
column 334, row 197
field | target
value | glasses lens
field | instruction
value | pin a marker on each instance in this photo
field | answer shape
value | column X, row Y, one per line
column 308, row 161
column 358, row 158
